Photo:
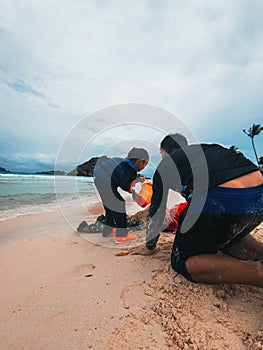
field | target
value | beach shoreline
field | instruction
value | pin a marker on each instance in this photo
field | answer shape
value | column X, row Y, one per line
column 60, row 291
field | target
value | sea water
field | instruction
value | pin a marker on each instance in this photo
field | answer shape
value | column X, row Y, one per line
column 23, row 194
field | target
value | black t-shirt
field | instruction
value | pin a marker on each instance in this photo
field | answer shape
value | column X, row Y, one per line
column 199, row 167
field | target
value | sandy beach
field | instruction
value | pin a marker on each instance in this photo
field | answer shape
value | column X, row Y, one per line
column 61, row 291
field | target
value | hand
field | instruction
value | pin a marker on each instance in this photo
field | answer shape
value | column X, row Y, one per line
column 140, row 179
column 134, row 196
column 142, row 250
column 134, row 182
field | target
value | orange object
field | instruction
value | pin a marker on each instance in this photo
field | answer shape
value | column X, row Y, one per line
column 122, row 253
column 144, row 195
column 124, row 239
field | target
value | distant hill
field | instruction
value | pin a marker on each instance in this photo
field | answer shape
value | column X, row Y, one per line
column 86, row 169
column 51, row 172
column 3, row 170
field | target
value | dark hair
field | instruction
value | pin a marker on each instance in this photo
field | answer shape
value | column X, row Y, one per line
column 172, row 142
column 138, row 153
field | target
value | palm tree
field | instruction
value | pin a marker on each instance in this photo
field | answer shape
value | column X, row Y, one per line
column 254, row 130
column 234, row 148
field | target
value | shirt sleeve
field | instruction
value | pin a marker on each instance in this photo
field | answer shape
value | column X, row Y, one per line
column 157, row 211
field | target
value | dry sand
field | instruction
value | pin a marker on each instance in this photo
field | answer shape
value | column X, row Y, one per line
column 59, row 291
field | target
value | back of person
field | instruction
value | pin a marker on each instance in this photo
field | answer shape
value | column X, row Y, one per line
column 211, row 162
column 104, row 169
column 113, row 170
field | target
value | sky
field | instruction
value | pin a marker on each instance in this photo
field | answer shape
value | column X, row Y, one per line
column 85, row 78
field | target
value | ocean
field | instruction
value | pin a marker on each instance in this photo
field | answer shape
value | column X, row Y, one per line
column 23, row 194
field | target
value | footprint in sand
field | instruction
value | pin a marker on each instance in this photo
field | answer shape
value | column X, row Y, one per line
column 136, row 296
column 71, row 243
column 84, row 268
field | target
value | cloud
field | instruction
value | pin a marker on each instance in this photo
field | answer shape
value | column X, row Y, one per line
column 26, row 163
column 20, row 86
column 202, row 61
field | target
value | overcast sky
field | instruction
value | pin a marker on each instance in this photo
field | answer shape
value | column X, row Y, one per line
column 65, row 64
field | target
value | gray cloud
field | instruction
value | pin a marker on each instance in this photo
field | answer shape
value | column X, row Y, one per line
column 199, row 60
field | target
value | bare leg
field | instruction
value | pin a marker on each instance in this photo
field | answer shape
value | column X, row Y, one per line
column 247, row 248
column 212, row 268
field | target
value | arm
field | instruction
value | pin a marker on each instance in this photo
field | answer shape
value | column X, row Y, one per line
column 126, row 180
column 157, row 211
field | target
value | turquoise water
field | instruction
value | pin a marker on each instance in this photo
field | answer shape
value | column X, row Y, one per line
column 25, row 194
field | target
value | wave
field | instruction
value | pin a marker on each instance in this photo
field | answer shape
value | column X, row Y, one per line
column 22, row 194
column 28, row 205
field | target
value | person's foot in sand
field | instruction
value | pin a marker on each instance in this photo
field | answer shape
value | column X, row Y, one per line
column 83, row 227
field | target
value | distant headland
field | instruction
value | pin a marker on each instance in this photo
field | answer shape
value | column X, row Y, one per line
column 84, row 169
column 3, row 170
column 51, row 172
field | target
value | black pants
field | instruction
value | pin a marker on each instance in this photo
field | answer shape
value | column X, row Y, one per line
column 114, row 206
